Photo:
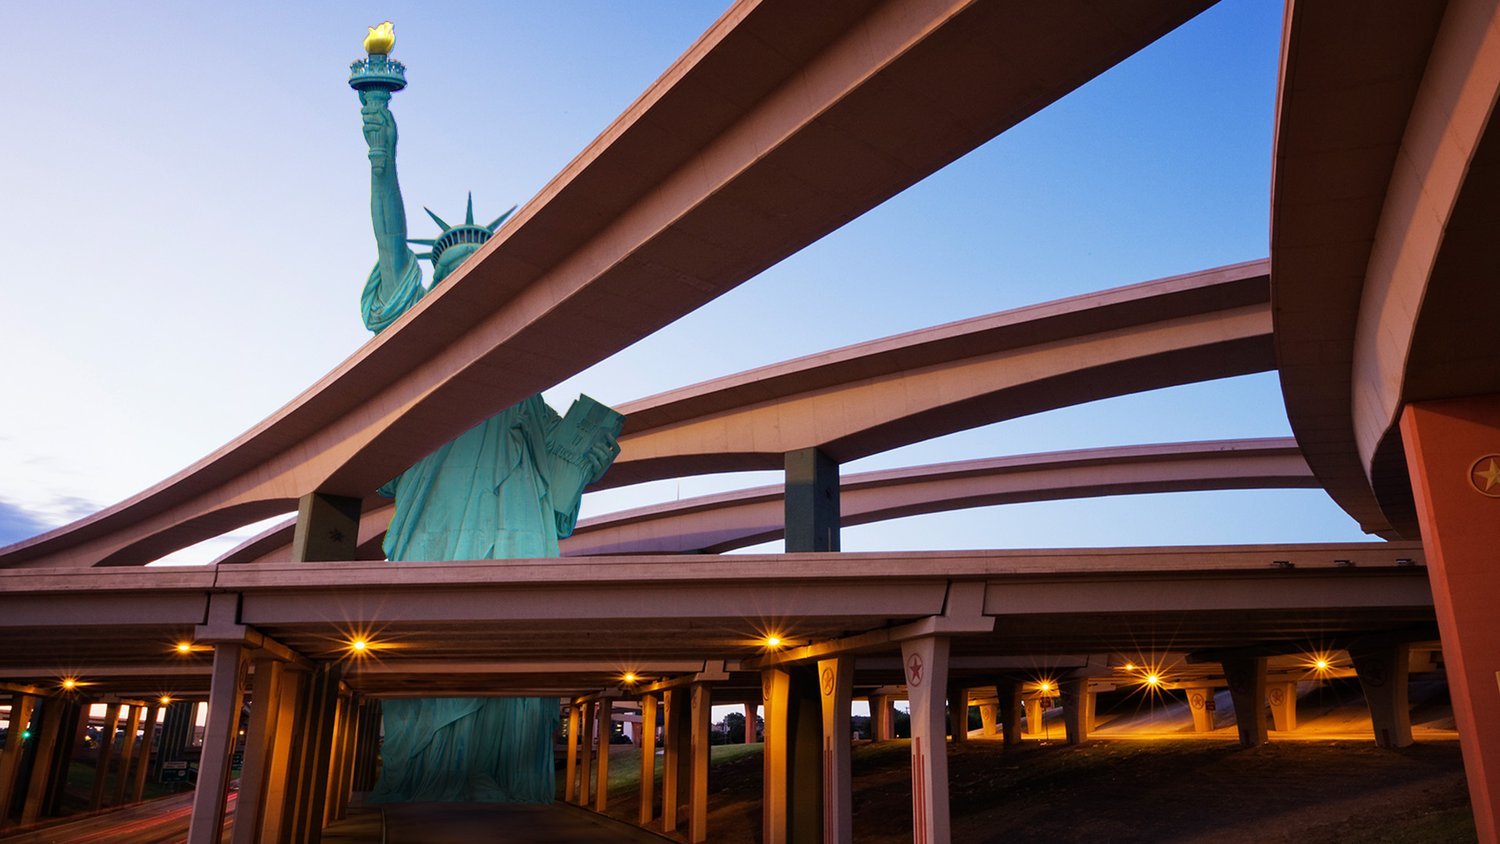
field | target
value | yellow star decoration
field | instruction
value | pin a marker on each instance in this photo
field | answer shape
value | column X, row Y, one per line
column 1490, row 474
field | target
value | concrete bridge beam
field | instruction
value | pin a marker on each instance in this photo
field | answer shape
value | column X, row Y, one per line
column 1246, row 676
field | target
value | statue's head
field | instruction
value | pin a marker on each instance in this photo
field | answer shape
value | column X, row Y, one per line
column 457, row 243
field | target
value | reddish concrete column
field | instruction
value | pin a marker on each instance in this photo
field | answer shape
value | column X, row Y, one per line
column 1452, row 453
column 836, row 687
column 219, row 735
column 143, row 755
column 606, row 714
column 958, row 712
column 570, row 776
column 1282, row 698
column 926, row 664
column 260, row 739
column 127, row 754
column 106, row 751
column 368, row 750
column 1078, row 709
column 701, row 718
column 21, row 709
column 1200, row 703
column 1246, row 676
column 750, row 736
column 648, row 760
column 41, row 770
column 1382, row 669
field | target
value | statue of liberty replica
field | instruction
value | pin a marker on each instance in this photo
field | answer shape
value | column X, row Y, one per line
column 507, row 488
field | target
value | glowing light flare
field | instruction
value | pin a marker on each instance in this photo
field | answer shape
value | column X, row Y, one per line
column 1044, row 686
column 164, row 700
column 773, row 641
column 1153, row 679
column 1129, row 666
column 629, row 677
column 359, row 646
column 69, row 683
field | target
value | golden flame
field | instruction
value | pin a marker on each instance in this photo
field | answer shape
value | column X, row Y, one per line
column 381, row 39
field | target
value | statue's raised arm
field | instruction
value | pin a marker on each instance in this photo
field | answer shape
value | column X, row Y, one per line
column 399, row 283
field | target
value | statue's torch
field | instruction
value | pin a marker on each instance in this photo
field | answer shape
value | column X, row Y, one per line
column 378, row 71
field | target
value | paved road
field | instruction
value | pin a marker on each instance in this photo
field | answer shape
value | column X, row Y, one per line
column 439, row 823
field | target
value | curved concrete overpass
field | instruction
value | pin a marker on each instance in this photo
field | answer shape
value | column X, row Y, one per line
column 717, row 523
column 722, row 522
column 1382, row 221
column 775, row 128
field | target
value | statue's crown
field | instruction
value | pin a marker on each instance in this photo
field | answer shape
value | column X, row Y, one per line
column 468, row 232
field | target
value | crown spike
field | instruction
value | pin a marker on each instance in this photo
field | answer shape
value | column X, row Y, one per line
column 502, row 218
column 436, row 219
column 469, row 212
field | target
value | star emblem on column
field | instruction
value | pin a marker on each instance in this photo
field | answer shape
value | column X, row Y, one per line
column 1485, row 475
column 914, row 670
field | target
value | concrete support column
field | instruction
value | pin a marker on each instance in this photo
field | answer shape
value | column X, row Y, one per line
column 75, row 723
column 1382, row 669
column 586, row 755
column 1201, row 703
column 1452, row 454
column 750, row 736
column 701, row 717
column 367, row 751
column 174, row 732
column 313, row 755
column 127, row 754
column 882, row 722
column 792, row 802
column 606, row 710
column 958, row 711
column 989, row 719
column 1246, row 676
column 143, row 755
column 281, row 776
column 836, row 687
column 219, row 735
column 812, row 501
column 21, row 708
column 1282, row 697
column 1008, row 699
column 926, row 663
column 570, row 771
column 106, row 752
column 260, row 740
column 648, row 760
column 1078, row 709
column 343, row 773
column 676, row 748
column 1034, row 716
column 45, row 756
column 327, row 528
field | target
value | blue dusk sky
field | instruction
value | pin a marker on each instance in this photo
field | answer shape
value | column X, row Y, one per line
column 186, row 231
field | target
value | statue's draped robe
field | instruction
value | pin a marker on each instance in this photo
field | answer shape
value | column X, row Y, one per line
column 484, row 495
